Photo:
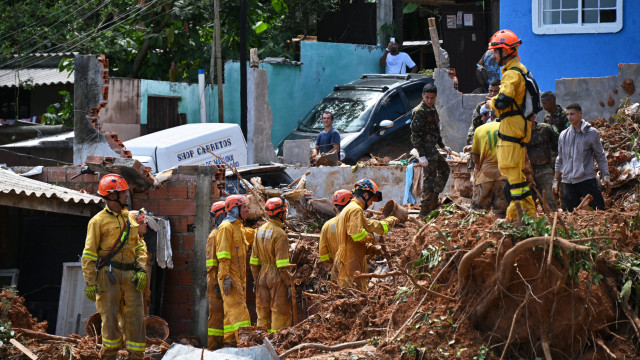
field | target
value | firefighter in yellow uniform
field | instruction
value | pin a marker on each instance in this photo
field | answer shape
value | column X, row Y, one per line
column 114, row 260
column 269, row 260
column 231, row 251
column 328, row 245
column 514, row 132
column 215, row 322
column 354, row 238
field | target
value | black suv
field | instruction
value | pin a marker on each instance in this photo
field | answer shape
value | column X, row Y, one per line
column 358, row 108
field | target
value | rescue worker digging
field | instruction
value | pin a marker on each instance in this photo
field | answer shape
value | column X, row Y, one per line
column 328, row 244
column 354, row 238
column 113, row 265
column 514, row 132
column 215, row 322
column 269, row 260
column 231, row 250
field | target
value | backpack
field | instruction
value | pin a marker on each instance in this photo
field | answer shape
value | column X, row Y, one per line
column 531, row 96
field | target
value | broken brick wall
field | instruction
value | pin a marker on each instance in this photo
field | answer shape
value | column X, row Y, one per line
column 175, row 200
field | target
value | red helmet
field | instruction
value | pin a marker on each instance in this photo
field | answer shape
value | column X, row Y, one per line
column 342, row 197
column 369, row 186
column 233, row 201
column 139, row 215
column 275, row 206
column 112, row 183
column 217, row 208
column 505, row 39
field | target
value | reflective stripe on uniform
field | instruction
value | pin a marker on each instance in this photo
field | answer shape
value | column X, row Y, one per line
column 518, row 192
column 139, row 247
column 281, row 263
column 215, row 332
column 89, row 255
column 212, row 262
column 111, row 344
column 385, row 227
column 359, row 236
column 236, row 326
column 272, row 331
column 135, row 346
column 223, row 255
column 325, row 257
column 254, row 261
column 333, row 228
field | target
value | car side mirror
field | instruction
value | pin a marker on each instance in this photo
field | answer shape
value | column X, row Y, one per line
column 384, row 125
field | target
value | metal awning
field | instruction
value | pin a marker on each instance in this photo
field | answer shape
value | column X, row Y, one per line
column 34, row 76
column 22, row 192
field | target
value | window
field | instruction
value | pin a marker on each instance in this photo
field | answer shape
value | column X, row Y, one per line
column 391, row 108
column 576, row 16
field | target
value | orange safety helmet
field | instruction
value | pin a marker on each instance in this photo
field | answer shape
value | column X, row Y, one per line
column 505, row 39
column 233, row 201
column 369, row 186
column 112, row 183
column 217, row 208
column 342, row 197
column 275, row 206
column 139, row 215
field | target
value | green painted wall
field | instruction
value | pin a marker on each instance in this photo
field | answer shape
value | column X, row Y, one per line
column 293, row 89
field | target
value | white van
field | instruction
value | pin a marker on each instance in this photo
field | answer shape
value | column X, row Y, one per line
column 188, row 145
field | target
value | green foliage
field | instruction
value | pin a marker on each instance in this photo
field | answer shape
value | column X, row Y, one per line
column 531, row 227
column 410, row 349
column 629, row 266
column 60, row 113
column 401, row 294
column 6, row 333
column 431, row 256
column 483, row 353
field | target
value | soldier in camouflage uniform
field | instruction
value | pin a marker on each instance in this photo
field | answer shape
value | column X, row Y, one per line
column 425, row 135
column 542, row 150
column 555, row 116
column 476, row 118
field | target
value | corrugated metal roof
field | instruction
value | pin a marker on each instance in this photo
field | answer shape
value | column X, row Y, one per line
column 39, row 76
column 11, row 183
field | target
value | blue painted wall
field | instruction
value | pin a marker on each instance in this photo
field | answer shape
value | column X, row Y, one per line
column 551, row 57
column 294, row 90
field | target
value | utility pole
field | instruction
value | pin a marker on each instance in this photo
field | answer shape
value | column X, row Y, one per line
column 243, row 66
column 216, row 10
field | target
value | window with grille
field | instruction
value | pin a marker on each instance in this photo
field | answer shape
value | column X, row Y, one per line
column 576, row 16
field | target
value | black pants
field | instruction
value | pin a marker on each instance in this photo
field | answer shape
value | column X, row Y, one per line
column 572, row 194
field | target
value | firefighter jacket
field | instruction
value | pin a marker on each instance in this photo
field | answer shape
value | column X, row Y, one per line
column 231, row 251
column 328, row 245
column 512, row 86
column 271, row 247
column 104, row 231
column 212, row 262
column 353, row 236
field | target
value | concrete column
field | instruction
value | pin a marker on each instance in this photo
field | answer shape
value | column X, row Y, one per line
column 87, row 95
column 384, row 15
column 201, row 233
column 259, row 118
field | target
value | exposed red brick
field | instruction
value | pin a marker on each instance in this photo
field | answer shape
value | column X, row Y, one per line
column 149, row 205
column 178, row 294
column 56, row 175
column 94, row 159
column 179, row 326
column 191, row 191
column 178, row 190
column 175, row 240
column 177, row 207
column 179, row 278
column 187, row 242
column 182, row 260
column 142, row 195
column 178, row 224
column 188, row 169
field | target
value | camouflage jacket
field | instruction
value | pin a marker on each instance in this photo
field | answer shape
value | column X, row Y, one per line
column 476, row 120
column 425, row 130
column 558, row 119
column 543, row 146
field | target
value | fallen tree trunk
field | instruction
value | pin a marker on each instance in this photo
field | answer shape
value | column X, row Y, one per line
column 359, row 275
column 44, row 336
column 465, row 263
column 349, row 345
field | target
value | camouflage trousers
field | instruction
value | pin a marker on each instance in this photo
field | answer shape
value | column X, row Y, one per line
column 434, row 178
column 543, row 176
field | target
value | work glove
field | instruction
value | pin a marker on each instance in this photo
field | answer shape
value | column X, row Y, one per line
column 373, row 250
column 227, row 284
column 422, row 161
column 555, row 188
column 391, row 221
column 447, row 149
column 140, row 279
column 91, row 292
column 606, row 183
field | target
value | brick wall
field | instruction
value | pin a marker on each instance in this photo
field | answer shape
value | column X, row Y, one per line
column 174, row 199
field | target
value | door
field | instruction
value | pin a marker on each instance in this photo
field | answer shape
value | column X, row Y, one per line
column 162, row 113
column 465, row 38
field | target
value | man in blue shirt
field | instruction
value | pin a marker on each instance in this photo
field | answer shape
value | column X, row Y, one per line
column 328, row 141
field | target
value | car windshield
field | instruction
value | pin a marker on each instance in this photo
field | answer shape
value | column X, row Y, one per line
column 350, row 111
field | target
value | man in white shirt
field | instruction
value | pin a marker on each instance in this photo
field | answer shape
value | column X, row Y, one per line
column 396, row 62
